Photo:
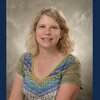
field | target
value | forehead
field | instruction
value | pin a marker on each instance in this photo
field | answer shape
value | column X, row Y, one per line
column 47, row 19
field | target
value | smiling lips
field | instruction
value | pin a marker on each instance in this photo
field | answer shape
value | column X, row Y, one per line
column 47, row 38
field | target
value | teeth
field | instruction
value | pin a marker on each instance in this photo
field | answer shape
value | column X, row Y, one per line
column 47, row 38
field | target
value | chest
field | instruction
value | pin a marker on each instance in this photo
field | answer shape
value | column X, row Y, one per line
column 42, row 69
column 43, row 88
column 36, row 86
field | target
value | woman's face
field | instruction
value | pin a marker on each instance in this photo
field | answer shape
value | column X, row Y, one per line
column 48, row 32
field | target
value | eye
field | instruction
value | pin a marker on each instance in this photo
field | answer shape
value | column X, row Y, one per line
column 41, row 26
column 55, row 27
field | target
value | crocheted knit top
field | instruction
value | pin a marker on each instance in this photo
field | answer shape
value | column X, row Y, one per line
column 67, row 71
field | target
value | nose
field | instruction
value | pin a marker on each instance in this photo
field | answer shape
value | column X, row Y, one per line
column 47, row 31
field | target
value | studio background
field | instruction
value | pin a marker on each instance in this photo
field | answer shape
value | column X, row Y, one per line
column 79, row 16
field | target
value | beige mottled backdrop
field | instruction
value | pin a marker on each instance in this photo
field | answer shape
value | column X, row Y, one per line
column 79, row 16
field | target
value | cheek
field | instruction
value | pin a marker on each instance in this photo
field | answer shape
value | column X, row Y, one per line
column 58, row 35
column 38, row 33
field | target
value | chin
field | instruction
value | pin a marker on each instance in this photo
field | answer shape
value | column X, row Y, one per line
column 46, row 46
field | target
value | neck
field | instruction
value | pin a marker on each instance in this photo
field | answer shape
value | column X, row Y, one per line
column 45, row 53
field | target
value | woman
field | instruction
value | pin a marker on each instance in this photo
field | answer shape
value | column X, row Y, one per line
column 48, row 71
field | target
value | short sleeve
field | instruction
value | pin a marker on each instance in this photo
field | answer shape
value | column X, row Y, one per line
column 19, row 66
column 73, row 74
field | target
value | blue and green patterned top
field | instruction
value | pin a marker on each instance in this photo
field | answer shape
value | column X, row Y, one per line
column 68, row 71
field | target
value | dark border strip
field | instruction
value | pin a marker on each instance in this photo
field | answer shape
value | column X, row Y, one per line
column 2, row 49
column 96, row 50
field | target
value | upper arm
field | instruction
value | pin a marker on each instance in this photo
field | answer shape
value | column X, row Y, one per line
column 73, row 75
column 71, row 82
column 67, row 91
column 16, row 92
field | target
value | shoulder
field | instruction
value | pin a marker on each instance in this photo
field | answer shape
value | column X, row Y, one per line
column 74, row 64
column 72, row 72
column 71, row 63
column 72, row 58
column 26, row 54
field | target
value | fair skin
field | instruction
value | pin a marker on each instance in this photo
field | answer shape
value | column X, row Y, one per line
column 48, row 33
column 67, row 92
column 48, row 55
column 16, row 93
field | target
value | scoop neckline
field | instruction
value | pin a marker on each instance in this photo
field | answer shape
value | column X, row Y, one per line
column 49, row 73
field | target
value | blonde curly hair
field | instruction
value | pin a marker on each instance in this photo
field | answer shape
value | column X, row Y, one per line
column 65, row 44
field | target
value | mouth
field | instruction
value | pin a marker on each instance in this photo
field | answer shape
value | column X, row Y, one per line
column 47, row 38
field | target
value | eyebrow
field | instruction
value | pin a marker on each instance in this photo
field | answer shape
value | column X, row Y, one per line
column 50, row 25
